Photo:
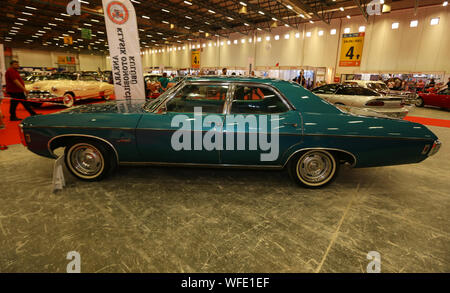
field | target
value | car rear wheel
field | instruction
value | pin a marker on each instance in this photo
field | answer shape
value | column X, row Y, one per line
column 419, row 102
column 89, row 160
column 314, row 168
column 68, row 100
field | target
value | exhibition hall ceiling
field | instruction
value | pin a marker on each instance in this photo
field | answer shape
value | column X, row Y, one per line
column 45, row 23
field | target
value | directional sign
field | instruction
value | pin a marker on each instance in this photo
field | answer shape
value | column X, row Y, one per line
column 195, row 55
column 351, row 49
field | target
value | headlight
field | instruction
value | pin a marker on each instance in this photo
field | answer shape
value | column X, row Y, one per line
column 435, row 148
column 54, row 89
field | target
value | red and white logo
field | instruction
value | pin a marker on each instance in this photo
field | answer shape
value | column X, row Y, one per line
column 117, row 12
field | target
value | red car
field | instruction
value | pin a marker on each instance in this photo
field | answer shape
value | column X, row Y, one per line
column 440, row 99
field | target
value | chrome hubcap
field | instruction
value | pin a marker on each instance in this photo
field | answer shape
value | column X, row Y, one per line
column 315, row 167
column 68, row 100
column 86, row 160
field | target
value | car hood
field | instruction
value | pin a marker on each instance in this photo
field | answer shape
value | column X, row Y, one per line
column 357, row 125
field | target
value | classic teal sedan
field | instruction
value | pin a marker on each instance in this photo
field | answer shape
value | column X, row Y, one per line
column 227, row 122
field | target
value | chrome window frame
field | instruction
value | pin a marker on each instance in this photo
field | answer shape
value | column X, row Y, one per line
column 261, row 85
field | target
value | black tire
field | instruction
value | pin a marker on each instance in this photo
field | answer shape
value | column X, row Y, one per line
column 419, row 102
column 89, row 160
column 314, row 159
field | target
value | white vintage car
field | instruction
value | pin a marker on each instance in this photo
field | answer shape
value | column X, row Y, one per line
column 67, row 89
column 409, row 97
column 356, row 97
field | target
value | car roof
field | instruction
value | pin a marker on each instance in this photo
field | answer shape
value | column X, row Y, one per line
column 236, row 78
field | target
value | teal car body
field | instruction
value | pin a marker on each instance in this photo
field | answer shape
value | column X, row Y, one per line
column 142, row 134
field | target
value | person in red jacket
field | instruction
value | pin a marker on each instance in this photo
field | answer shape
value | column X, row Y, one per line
column 15, row 87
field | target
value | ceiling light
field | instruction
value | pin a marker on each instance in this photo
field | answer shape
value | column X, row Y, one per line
column 320, row 33
column 235, row 42
column 341, row 9
column 413, row 23
column 346, row 30
column 362, row 29
column 95, row 20
column 230, row 18
column 59, row 19
column 434, row 21
column 186, row 27
column 27, row 13
column 209, row 44
column 165, row 10
column 297, row 35
column 22, row 19
column 228, row 42
column 311, row 21
column 308, row 34
column 30, row 7
column 211, row 11
column 243, row 41
column 277, row 37
column 258, row 39
column 348, row 16
column 395, row 25
column 249, row 40
column 243, row 3
column 145, row 16
column 302, row 16
column 286, row 36
column 445, row 3
column 260, row 12
column 381, row 1
column 268, row 38
column 52, row 24
column 87, row 24
column 166, row 22
column 289, row 6
column 187, row 2
column 18, row 23
column 188, row 17
column 246, row 24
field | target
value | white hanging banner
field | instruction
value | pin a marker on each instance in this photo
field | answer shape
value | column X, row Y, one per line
column 124, row 50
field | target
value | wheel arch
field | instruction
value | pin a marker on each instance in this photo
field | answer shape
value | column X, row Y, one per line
column 64, row 139
column 342, row 155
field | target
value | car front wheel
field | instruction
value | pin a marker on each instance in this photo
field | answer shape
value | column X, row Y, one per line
column 89, row 160
column 314, row 168
column 68, row 100
column 419, row 102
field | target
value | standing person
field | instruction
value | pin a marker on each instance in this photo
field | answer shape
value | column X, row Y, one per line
column 224, row 71
column 163, row 81
column 15, row 87
column 448, row 83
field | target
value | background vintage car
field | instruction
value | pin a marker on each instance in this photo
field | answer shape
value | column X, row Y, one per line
column 314, row 136
column 355, row 96
column 68, row 88
column 379, row 86
column 440, row 99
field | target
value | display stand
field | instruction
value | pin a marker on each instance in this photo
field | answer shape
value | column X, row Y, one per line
column 59, row 181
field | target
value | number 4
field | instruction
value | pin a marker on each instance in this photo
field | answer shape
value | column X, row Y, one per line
column 350, row 52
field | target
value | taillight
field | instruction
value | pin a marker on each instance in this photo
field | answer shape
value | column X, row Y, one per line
column 22, row 135
column 375, row 103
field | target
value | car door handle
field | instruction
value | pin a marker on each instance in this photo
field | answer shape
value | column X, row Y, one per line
column 291, row 124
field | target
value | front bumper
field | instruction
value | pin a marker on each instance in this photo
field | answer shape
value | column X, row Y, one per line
column 42, row 97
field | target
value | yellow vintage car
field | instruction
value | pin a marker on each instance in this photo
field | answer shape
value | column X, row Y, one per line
column 66, row 89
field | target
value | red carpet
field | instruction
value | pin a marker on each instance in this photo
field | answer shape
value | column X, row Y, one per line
column 429, row 121
column 10, row 134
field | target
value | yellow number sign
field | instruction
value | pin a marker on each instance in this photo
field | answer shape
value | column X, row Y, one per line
column 351, row 49
column 195, row 61
column 68, row 40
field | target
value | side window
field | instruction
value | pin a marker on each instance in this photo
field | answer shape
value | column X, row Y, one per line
column 256, row 100
column 445, row 92
column 326, row 89
column 356, row 91
column 211, row 98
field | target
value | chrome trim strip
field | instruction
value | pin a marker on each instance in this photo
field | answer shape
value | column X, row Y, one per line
column 319, row 148
column 82, row 135
column 366, row 136
column 82, row 127
column 275, row 167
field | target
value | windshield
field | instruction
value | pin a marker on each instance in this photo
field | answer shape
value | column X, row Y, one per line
column 379, row 87
column 153, row 104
